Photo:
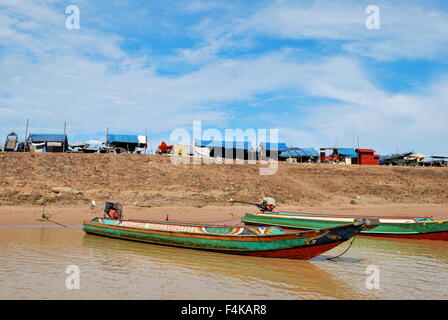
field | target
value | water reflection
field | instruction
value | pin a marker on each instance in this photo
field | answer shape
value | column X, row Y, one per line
column 297, row 279
column 33, row 263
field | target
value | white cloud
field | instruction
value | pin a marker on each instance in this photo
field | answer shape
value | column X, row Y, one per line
column 407, row 30
column 53, row 74
column 384, row 121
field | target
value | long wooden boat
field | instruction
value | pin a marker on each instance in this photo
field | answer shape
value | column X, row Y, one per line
column 270, row 241
column 396, row 227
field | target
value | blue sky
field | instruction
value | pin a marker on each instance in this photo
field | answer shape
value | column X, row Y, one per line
column 311, row 69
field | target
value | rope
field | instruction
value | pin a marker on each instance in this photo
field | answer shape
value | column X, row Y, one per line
column 57, row 223
column 46, row 217
column 344, row 251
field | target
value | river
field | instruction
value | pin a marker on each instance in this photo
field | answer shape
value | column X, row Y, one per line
column 34, row 261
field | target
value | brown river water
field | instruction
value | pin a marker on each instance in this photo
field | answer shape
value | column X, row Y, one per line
column 33, row 263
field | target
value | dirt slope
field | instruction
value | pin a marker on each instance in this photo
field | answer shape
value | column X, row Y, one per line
column 27, row 178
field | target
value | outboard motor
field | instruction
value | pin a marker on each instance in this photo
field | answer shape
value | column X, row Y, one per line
column 113, row 211
column 267, row 205
column 369, row 223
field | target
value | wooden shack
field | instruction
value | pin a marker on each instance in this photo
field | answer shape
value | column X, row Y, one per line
column 11, row 142
column 51, row 142
column 367, row 157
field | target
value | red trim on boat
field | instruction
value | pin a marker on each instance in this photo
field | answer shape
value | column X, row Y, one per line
column 303, row 253
column 423, row 236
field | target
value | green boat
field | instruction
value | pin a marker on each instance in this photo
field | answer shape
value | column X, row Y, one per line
column 397, row 227
column 269, row 241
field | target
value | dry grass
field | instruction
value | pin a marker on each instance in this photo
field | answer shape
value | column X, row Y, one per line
column 27, row 178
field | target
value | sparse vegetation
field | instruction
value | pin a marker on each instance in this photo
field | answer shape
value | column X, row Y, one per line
column 27, row 178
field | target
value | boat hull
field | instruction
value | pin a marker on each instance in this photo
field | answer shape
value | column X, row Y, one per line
column 297, row 245
column 429, row 230
column 303, row 253
column 416, row 236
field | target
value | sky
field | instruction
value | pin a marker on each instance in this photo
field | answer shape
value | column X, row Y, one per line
column 311, row 69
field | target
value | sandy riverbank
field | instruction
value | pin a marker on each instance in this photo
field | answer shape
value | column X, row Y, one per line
column 30, row 215
column 37, row 179
column 152, row 187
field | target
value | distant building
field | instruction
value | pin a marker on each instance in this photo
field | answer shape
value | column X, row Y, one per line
column 48, row 142
column 436, row 161
column 91, row 146
column 338, row 155
column 300, row 154
column 11, row 142
column 403, row 159
column 349, row 156
column 272, row 150
column 367, row 157
column 182, row 150
column 126, row 142
column 228, row 149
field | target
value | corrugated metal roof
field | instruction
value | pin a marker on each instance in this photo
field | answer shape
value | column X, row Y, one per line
column 311, row 152
column 348, row 152
column 122, row 138
column 274, row 146
column 45, row 137
column 245, row 145
column 300, row 152
column 395, row 156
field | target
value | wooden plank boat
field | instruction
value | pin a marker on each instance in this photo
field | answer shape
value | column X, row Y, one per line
column 270, row 241
column 396, row 227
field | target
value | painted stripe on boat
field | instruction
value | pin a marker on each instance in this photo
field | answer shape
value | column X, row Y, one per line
column 287, row 216
column 286, row 236
column 417, row 219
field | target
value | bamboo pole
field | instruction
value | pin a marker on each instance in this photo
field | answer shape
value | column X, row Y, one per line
column 107, row 139
column 65, row 134
column 26, row 134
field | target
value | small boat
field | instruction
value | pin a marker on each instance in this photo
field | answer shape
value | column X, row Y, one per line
column 397, row 227
column 267, row 241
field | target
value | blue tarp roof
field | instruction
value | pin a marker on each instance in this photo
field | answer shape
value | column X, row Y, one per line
column 275, row 146
column 245, row 145
column 123, row 138
column 45, row 137
column 300, row 152
column 348, row 152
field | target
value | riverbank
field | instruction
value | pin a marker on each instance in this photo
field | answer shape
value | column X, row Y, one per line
column 74, row 216
column 73, row 180
column 152, row 187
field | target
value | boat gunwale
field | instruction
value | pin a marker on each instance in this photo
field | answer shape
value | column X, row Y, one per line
column 178, row 223
column 268, row 237
column 282, row 221
column 312, row 234
column 307, row 217
column 323, row 215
